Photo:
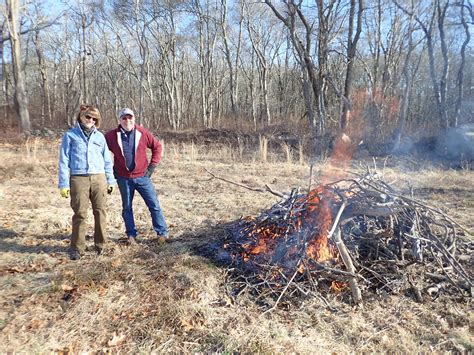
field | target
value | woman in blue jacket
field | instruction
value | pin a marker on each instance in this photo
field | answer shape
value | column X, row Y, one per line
column 85, row 174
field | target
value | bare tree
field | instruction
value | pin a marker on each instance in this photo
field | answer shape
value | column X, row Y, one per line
column 408, row 82
column 438, row 14
column 4, row 74
column 303, row 49
column 166, row 40
column 353, row 35
column 231, row 63
column 44, row 83
column 389, row 39
column 21, row 99
column 207, row 30
column 463, row 7
column 266, row 42
column 42, row 65
column 84, row 11
column 191, row 63
column 247, row 66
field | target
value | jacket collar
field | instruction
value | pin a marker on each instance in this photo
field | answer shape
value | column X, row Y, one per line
column 137, row 128
column 78, row 125
column 120, row 128
column 78, row 128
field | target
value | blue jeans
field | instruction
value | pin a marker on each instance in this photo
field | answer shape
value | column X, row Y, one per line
column 145, row 188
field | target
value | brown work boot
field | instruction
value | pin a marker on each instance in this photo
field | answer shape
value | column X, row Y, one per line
column 131, row 241
column 163, row 238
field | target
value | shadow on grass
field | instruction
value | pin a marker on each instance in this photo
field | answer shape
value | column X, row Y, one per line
column 11, row 241
column 424, row 191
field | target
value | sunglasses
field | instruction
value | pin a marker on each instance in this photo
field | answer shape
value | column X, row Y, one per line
column 127, row 117
column 87, row 117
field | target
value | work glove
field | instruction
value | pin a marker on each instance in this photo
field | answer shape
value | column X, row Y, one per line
column 150, row 170
column 110, row 189
column 64, row 192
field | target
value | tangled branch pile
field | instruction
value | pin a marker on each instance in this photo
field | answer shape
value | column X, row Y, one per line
column 356, row 234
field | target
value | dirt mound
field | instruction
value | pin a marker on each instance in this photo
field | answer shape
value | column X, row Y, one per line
column 209, row 136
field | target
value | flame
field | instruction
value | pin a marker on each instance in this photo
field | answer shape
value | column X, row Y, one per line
column 338, row 286
column 261, row 247
column 301, row 268
column 319, row 215
column 280, row 240
column 307, row 229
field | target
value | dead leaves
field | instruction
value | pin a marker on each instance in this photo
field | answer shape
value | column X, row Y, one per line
column 66, row 287
column 35, row 323
column 13, row 270
column 69, row 292
column 188, row 325
column 116, row 263
column 26, row 268
column 117, row 339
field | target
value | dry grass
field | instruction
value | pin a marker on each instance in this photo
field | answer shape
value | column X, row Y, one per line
column 170, row 298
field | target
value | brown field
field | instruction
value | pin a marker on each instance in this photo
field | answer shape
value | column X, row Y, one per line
column 153, row 297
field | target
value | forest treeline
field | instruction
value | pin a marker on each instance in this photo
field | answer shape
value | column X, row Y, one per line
column 388, row 68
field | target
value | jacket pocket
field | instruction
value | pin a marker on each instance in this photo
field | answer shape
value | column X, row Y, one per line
column 78, row 156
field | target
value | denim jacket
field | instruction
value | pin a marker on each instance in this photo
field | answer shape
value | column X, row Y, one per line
column 81, row 156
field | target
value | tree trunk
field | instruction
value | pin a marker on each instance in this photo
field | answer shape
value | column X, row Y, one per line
column 223, row 23
column 443, row 85
column 83, row 58
column 408, row 80
column 3, row 75
column 460, row 77
column 351, row 52
column 21, row 99
column 45, row 96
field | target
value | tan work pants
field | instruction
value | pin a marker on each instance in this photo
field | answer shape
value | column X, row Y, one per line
column 83, row 189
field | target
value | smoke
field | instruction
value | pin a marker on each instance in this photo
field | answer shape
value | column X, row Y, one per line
column 457, row 144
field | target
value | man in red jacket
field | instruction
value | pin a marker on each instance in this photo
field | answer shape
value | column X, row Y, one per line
column 129, row 143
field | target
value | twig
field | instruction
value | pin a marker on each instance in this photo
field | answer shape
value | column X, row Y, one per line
column 338, row 216
column 356, row 294
column 267, row 187
column 284, row 290
column 341, row 272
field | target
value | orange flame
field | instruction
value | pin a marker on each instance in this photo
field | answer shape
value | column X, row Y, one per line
column 316, row 219
column 319, row 249
column 338, row 286
column 317, row 216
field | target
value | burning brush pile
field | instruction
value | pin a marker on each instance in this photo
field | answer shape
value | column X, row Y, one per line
column 348, row 237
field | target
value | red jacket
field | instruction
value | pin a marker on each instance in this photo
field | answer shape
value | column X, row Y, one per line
column 143, row 139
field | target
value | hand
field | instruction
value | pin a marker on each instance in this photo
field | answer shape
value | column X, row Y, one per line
column 149, row 171
column 110, row 189
column 64, row 192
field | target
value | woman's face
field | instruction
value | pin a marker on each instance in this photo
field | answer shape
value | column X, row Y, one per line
column 87, row 121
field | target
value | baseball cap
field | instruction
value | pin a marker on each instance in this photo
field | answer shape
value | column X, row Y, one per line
column 126, row 111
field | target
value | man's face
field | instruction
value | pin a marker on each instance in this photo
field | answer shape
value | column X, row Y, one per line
column 127, row 122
